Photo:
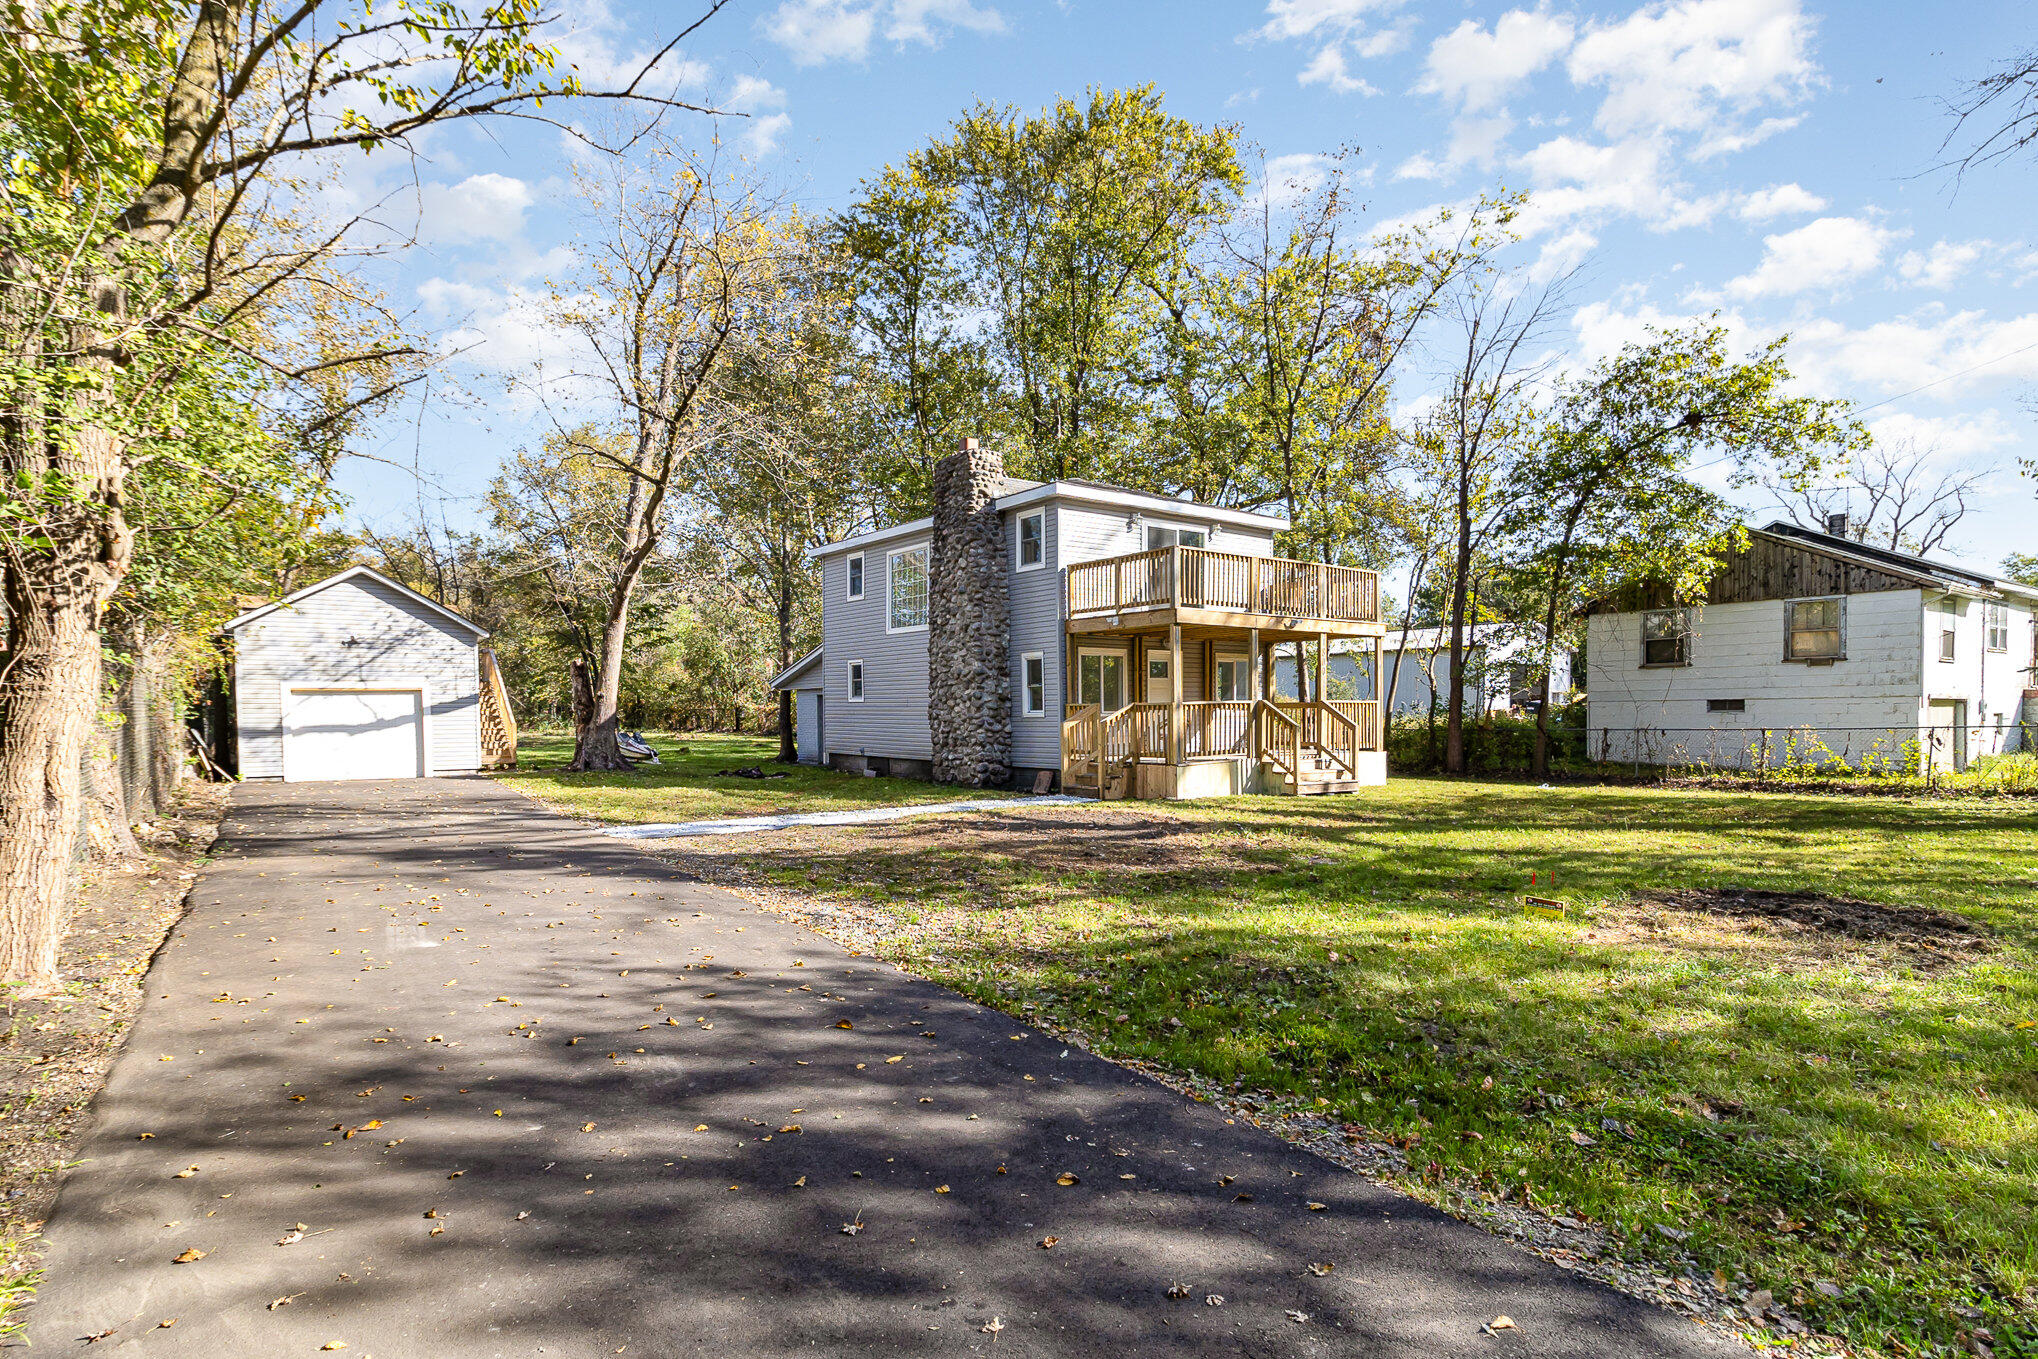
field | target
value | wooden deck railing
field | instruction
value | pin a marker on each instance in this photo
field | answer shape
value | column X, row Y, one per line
column 498, row 723
column 1278, row 737
column 1213, row 731
column 1228, row 582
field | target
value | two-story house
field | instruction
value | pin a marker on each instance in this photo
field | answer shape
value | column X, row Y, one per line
column 1809, row 641
column 1119, row 640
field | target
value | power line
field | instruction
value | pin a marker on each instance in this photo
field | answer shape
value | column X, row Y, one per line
column 1985, row 363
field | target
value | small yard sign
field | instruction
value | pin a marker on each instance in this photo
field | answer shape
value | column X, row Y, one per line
column 1547, row 907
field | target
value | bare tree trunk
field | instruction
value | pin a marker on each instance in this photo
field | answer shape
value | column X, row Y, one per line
column 1461, row 582
column 788, row 752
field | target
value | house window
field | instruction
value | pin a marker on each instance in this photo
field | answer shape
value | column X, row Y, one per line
column 906, row 574
column 856, row 681
column 1100, row 679
column 1033, row 541
column 1158, row 535
column 1726, row 705
column 1033, row 682
column 1946, row 644
column 1666, row 637
column 856, row 575
column 1812, row 629
column 1998, row 628
column 1233, row 681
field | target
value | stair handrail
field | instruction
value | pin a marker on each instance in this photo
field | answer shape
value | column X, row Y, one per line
column 1326, row 713
column 1279, row 735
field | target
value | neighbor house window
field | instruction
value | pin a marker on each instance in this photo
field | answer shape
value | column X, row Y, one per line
column 1666, row 637
column 1946, row 644
column 1726, row 705
column 1158, row 535
column 1033, row 540
column 906, row 573
column 1233, row 681
column 1812, row 629
column 856, row 576
column 1033, row 682
column 1998, row 628
column 856, row 681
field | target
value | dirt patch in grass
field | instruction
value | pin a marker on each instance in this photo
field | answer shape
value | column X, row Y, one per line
column 1929, row 937
column 54, row 1054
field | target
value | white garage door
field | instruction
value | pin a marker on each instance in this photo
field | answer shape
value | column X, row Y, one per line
column 353, row 734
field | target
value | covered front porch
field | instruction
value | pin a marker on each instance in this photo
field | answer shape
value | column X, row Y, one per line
column 1170, row 663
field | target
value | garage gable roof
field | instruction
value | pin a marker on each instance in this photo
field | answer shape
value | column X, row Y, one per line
column 352, row 573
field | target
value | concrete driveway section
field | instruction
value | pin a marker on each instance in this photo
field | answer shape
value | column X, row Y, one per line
column 429, row 1071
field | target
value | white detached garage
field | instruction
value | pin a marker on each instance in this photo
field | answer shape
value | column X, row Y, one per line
column 356, row 677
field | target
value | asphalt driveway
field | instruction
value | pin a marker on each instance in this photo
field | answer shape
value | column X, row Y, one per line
column 429, row 1071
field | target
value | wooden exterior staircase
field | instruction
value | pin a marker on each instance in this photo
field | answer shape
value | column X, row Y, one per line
column 498, row 723
column 1301, row 748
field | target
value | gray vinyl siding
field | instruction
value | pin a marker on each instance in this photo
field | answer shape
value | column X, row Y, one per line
column 892, row 718
column 1034, row 600
column 304, row 644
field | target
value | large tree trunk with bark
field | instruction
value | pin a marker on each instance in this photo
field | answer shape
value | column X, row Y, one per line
column 47, row 714
column 595, row 746
column 788, row 750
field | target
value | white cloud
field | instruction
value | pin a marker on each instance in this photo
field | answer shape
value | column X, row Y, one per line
column 1421, row 165
column 1726, row 141
column 1955, row 438
column 480, row 207
column 1940, row 266
column 1778, row 200
column 1562, row 254
column 1695, row 65
column 753, row 92
column 1328, row 68
column 1289, row 19
column 1822, row 254
column 762, row 136
column 1476, row 68
column 1571, row 178
column 817, row 31
column 1954, row 351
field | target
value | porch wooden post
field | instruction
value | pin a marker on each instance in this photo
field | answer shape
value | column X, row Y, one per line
column 1175, row 690
column 1322, row 667
column 1254, row 691
column 1379, row 733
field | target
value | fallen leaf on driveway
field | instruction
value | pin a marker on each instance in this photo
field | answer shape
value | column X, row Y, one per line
column 1501, row 1324
column 1298, row 1317
column 1314, row 1206
column 1320, row 1270
column 291, row 1238
column 185, row 1174
column 190, row 1253
column 334, row 1345
column 844, row 1024
column 992, row 1327
column 1047, row 1242
column 1178, row 1290
column 852, row 1228
column 1065, row 1179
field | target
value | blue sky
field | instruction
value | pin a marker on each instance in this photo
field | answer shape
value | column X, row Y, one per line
column 1768, row 159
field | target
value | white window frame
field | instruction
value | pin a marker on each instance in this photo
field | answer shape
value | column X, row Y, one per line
column 1027, row 704
column 854, row 681
column 852, row 576
column 1687, row 635
column 1148, row 526
column 1949, row 646
column 1788, row 632
column 1241, row 680
column 891, row 566
column 1019, row 562
column 1996, row 621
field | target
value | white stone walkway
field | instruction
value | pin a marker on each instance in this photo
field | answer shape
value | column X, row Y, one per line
column 747, row 825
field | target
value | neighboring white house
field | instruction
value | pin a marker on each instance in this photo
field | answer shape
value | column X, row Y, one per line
column 1134, row 632
column 1501, row 663
column 356, row 677
column 1809, row 641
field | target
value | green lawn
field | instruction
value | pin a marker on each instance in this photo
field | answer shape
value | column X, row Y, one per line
column 684, row 785
column 1812, row 1108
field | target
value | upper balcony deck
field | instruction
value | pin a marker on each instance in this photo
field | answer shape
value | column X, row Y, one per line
column 1196, row 586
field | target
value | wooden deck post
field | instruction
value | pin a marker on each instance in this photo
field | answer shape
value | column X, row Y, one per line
column 1379, row 732
column 1255, row 691
column 1322, row 667
column 1174, row 755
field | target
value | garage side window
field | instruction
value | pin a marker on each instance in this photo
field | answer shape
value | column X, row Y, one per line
column 906, row 573
column 856, row 681
column 1666, row 637
column 1813, row 628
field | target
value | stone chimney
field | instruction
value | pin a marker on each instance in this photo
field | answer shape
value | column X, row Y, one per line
column 969, row 668
column 1837, row 524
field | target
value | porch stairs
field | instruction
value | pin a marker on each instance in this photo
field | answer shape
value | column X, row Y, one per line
column 1301, row 749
